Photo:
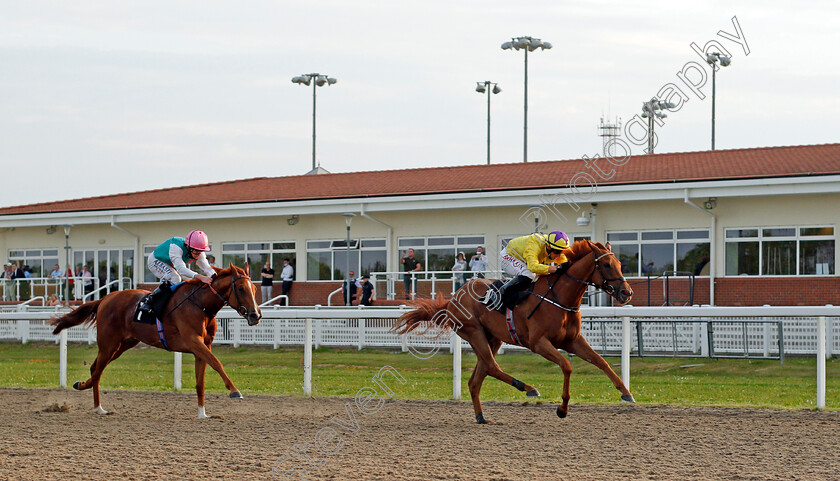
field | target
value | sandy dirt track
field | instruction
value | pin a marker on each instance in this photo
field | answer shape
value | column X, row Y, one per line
column 157, row 436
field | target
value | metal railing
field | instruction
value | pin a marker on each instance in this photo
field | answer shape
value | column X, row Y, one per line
column 28, row 288
column 435, row 278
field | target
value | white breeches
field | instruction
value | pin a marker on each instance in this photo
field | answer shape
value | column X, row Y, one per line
column 513, row 266
column 163, row 271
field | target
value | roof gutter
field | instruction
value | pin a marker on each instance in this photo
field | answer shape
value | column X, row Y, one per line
column 137, row 253
column 712, row 247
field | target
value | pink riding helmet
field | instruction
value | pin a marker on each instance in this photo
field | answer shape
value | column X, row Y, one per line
column 197, row 240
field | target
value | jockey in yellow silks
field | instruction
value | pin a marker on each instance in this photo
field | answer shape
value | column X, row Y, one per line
column 527, row 257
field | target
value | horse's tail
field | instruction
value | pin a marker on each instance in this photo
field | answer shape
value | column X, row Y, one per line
column 86, row 313
column 427, row 311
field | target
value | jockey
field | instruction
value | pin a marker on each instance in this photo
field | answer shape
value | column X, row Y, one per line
column 527, row 257
column 169, row 263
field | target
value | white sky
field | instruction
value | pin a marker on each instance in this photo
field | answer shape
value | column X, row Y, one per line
column 102, row 97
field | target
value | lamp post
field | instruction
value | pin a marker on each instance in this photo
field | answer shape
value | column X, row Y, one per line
column 652, row 110
column 348, row 218
column 319, row 81
column 67, row 228
column 712, row 59
column 527, row 44
column 481, row 88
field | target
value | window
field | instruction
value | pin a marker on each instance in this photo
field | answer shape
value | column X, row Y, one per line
column 40, row 261
column 438, row 253
column 655, row 253
column 327, row 260
column 256, row 254
column 780, row 251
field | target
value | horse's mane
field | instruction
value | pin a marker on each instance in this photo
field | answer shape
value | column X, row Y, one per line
column 581, row 248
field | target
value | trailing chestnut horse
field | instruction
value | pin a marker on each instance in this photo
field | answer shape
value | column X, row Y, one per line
column 548, row 320
column 189, row 325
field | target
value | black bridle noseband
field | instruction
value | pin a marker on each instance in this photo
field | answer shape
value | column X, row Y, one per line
column 241, row 309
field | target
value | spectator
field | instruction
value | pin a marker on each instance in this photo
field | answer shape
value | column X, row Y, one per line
column 57, row 273
column 87, row 279
column 267, row 274
column 411, row 265
column 211, row 259
column 17, row 272
column 459, row 267
column 354, row 285
column 478, row 262
column 6, row 276
column 27, row 271
column 367, row 291
column 287, row 275
column 53, row 300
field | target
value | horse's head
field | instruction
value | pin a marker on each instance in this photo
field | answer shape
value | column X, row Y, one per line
column 242, row 293
column 607, row 274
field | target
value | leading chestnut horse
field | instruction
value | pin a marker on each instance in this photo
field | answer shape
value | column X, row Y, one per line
column 189, row 325
column 548, row 320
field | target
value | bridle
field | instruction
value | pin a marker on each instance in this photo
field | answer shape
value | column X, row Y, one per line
column 604, row 286
column 240, row 309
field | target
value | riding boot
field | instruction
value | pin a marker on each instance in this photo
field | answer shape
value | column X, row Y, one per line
column 150, row 301
column 512, row 287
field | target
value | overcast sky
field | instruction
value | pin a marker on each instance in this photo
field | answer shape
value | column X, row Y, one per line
column 103, row 97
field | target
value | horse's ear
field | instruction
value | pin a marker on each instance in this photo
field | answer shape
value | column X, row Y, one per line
column 608, row 246
column 247, row 269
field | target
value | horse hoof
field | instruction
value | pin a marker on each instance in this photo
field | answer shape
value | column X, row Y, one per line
column 479, row 418
column 236, row 395
column 99, row 410
column 533, row 393
column 561, row 413
column 627, row 398
column 76, row 385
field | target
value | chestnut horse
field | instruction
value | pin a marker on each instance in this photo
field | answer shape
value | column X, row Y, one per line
column 547, row 320
column 189, row 325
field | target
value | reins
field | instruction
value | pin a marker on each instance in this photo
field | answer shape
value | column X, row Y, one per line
column 604, row 286
column 241, row 309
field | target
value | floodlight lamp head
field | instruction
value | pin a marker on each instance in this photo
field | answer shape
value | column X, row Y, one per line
column 534, row 44
column 546, row 45
column 644, row 114
column 711, row 58
column 661, row 115
column 320, row 81
column 496, row 89
column 523, row 43
column 725, row 61
column 480, row 87
column 507, row 45
column 331, row 81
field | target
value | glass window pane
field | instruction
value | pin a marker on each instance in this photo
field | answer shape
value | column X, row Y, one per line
column 816, row 257
column 277, row 264
column 259, row 246
column 340, row 264
column 49, row 265
column 657, row 258
column 284, row 246
column 237, row 259
column 622, row 236
column 657, row 235
column 373, row 243
column 256, row 261
column 373, row 261
column 128, row 264
column 779, row 232
column 318, row 266
column 148, row 250
column 36, row 268
column 741, row 258
column 471, row 240
column 342, row 244
column 441, row 241
column 580, row 237
column 33, row 253
column 693, row 258
column 628, row 255
column 318, row 244
column 441, row 260
column 412, row 242
column 50, row 252
column 16, row 254
column 693, row 234
column 736, row 233
column 233, row 248
column 805, row 231
column 778, row 258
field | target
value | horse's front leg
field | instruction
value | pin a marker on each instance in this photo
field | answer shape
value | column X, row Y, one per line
column 202, row 352
column 582, row 349
column 544, row 348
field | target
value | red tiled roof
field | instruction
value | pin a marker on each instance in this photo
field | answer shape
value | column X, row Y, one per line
column 676, row 167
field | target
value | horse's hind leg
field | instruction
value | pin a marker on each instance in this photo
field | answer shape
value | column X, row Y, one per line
column 487, row 357
column 106, row 355
column 200, row 366
column 477, row 378
column 545, row 349
column 582, row 349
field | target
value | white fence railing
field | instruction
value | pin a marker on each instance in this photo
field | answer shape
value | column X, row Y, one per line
column 612, row 330
column 26, row 288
